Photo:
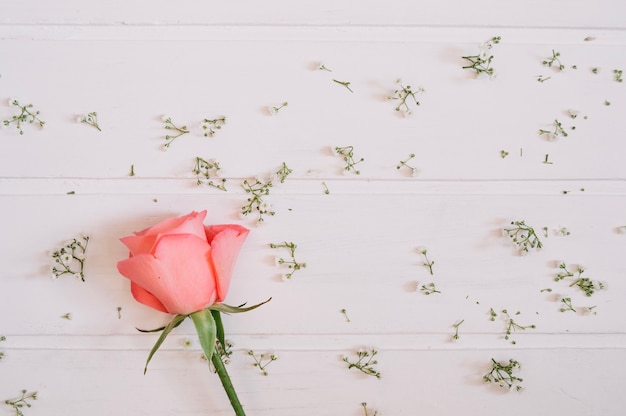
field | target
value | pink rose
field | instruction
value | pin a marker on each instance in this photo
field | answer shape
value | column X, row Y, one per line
column 181, row 266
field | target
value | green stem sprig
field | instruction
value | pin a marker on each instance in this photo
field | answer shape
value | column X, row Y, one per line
column 456, row 329
column 403, row 94
column 617, row 75
column 365, row 411
column 210, row 126
column 176, row 132
column 502, row 374
column 27, row 116
column 259, row 362
column 21, row 402
column 523, row 236
column 481, row 63
column 585, row 284
column 91, row 119
column 429, row 288
column 365, row 362
column 292, row 264
column 427, row 263
column 70, row 259
column 513, row 326
column 2, row 338
column 554, row 61
column 205, row 170
column 258, row 189
column 348, row 156
column 275, row 109
column 405, row 164
column 556, row 132
column 283, row 172
column 346, row 84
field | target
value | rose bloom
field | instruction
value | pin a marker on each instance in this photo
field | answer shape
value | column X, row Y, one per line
column 181, row 266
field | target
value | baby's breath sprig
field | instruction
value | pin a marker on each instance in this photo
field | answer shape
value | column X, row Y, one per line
column 177, row 131
column 405, row 163
column 26, row 116
column 345, row 84
column 585, row 284
column 366, row 413
column 210, row 127
column 348, row 156
column 456, row 329
column 291, row 264
column 67, row 316
column 283, row 172
column 617, row 75
column 404, row 94
column 513, row 326
column 273, row 110
column 91, row 119
column 429, row 288
column 481, row 63
column 427, row 263
column 558, row 131
column 502, row 374
column 2, row 338
column 323, row 67
column 365, row 362
column 542, row 79
column 567, row 302
column 523, row 236
column 326, row 190
column 257, row 189
column 554, row 61
column 21, row 402
column 70, row 259
column 259, row 362
column 206, row 170
column 224, row 351
column 503, row 154
column 345, row 314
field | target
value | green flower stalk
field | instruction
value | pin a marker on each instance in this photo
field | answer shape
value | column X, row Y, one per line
column 27, row 116
column 208, row 324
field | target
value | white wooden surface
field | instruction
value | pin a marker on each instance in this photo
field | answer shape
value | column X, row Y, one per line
column 133, row 63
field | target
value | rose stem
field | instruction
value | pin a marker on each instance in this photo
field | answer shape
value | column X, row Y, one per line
column 228, row 385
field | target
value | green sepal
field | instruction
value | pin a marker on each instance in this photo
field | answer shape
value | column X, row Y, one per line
column 178, row 319
column 220, row 328
column 222, row 307
column 206, row 329
column 158, row 329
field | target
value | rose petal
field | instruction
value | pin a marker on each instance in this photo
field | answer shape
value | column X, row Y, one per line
column 179, row 274
column 144, row 241
column 141, row 295
column 226, row 241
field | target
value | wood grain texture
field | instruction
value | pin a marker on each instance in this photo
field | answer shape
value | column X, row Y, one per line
column 134, row 63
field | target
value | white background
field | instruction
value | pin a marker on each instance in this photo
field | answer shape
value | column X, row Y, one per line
column 134, row 62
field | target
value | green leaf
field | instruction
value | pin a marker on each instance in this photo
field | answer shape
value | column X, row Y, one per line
column 178, row 319
column 222, row 307
column 220, row 328
column 206, row 329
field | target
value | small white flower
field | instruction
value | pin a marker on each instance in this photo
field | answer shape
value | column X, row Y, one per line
column 79, row 119
column 12, row 101
column 78, row 276
column 278, row 261
column 164, row 118
column 164, row 147
column 66, row 258
column 272, row 110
